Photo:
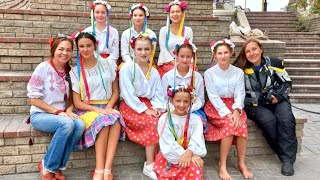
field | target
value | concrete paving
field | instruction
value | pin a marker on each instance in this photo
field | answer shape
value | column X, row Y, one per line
column 307, row 166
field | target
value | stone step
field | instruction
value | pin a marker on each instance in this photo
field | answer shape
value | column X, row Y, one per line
column 300, row 62
column 275, row 29
column 304, row 98
column 266, row 26
column 303, row 44
column 272, row 21
column 305, row 79
column 303, row 50
column 302, row 55
column 296, row 39
column 306, row 88
column 270, row 14
column 295, row 34
column 303, row 71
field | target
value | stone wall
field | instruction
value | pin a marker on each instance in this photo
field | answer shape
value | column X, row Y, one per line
column 314, row 23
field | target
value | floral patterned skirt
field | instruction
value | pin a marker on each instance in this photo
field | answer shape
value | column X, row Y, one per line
column 220, row 127
column 175, row 172
column 140, row 128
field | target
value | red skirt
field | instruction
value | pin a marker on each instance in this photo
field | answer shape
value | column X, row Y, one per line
column 220, row 127
column 164, row 68
column 140, row 128
column 175, row 172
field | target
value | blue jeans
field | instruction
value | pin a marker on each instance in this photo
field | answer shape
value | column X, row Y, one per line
column 66, row 131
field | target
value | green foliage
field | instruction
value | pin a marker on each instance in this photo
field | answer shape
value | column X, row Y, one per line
column 302, row 24
column 315, row 6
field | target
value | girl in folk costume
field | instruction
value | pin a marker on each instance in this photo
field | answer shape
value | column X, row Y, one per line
column 181, row 139
column 95, row 93
column 182, row 74
column 173, row 33
column 143, row 99
column 106, row 36
column 139, row 15
column 226, row 119
column 51, row 107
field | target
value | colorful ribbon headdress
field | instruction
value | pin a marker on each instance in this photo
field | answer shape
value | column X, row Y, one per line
column 183, row 5
column 214, row 44
column 132, row 44
column 194, row 54
column 108, row 8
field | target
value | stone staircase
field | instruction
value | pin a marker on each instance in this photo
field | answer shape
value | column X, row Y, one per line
column 302, row 56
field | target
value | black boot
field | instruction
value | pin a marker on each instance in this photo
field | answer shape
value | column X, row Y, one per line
column 287, row 169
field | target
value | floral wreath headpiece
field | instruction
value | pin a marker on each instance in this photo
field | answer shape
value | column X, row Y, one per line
column 144, row 36
column 59, row 35
column 214, row 44
column 183, row 5
column 185, row 42
column 108, row 7
column 105, row 3
column 180, row 88
column 134, row 6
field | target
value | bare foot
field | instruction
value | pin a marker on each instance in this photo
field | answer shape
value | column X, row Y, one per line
column 223, row 173
column 245, row 172
column 108, row 177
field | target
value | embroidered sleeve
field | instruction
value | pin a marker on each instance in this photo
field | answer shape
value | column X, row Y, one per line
column 74, row 80
column 36, row 83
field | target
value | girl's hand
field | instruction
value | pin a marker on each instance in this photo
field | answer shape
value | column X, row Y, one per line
column 274, row 100
column 150, row 112
column 63, row 114
column 105, row 111
column 158, row 112
column 197, row 161
column 236, row 119
column 185, row 159
column 72, row 115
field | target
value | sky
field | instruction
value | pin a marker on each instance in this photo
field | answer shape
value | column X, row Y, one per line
column 256, row 5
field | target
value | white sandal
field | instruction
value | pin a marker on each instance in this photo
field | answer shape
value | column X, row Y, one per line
column 108, row 172
column 97, row 171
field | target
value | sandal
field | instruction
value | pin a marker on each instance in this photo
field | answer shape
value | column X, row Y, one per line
column 108, row 172
column 96, row 171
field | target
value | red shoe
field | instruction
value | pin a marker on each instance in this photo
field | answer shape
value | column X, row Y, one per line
column 93, row 172
column 48, row 176
column 59, row 175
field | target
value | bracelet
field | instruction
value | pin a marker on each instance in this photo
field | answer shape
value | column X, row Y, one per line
column 58, row 112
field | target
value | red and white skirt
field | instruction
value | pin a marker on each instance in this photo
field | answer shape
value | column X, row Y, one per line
column 220, row 127
column 140, row 128
column 175, row 172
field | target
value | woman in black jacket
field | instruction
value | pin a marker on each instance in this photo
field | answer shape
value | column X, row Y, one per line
column 267, row 101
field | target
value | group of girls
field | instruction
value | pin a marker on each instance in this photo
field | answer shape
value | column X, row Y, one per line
column 164, row 106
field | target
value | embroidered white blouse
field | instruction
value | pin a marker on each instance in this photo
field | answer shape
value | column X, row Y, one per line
column 125, row 43
column 168, row 79
column 130, row 91
column 166, row 55
column 47, row 85
column 170, row 148
column 225, row 84
column 98, row 91
column 113, row 49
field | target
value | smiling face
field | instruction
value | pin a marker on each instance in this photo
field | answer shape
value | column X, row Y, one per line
column 184, row 57
column 175, row 14
column 100, row 12
column 138, row 17
column 86, row 47
column 223, row 54
column 181, row 102
column 254, row 53
column 63, row 52
column 142, row 50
